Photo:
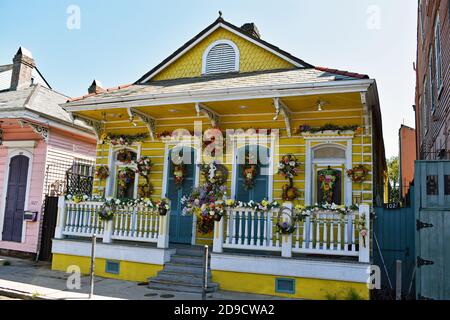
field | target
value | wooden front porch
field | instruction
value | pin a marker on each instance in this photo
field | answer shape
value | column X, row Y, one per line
column 241, row 230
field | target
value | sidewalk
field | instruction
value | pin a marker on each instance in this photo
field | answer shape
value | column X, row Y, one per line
column 26, row 279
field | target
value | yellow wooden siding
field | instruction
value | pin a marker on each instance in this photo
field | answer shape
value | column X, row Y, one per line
column 252, row 58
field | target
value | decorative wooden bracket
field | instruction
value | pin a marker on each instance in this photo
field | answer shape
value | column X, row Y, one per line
column 212, row 116
column 95, row 124
column 39, row 129
column 366, row 112
column 149, row 121
column 283, row 109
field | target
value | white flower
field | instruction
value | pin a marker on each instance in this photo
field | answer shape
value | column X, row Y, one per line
column 69, row 197
column 117, row 201
column 292, row 163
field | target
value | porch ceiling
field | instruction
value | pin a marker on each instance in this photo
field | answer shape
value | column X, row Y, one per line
column 296, row 104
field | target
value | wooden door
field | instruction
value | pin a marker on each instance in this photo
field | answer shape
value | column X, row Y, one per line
column 15, row 198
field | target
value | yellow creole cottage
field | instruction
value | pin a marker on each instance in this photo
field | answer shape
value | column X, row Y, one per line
column 260, row 155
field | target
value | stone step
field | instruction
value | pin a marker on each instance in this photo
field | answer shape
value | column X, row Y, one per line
column 183, row 268
column 188, row 260
column 172, row 286
column 190, row 252
column 181, row 278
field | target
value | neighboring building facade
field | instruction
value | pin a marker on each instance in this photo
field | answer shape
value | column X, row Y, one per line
column 225, row 78
column 36, row 136
column 407, row 141
column 433, row 80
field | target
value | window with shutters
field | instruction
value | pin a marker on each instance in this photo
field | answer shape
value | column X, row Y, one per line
column 221, row 57
column 438, row 58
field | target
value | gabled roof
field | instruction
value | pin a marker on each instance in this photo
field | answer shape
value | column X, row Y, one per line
column 224, row 81
column 220, row 22
column 38, row 99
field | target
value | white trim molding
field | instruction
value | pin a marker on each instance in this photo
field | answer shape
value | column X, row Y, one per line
column 309, row 269
column 328, row 140
column 118, row 252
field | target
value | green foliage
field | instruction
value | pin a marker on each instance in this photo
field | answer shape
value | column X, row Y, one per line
column 352, row 294
column 394, row 177
column 6, row 263
column 330, row 296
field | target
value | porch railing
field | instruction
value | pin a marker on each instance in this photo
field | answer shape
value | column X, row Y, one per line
column 321, row 233
column 130, row 223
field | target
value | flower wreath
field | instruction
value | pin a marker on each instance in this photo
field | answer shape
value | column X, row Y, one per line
column 144, row 167
column 125, row 156
column 214, row 173
column 126, row 175
column 288, row 168
column 250, row 171
column 179, row 171
column 102, row 172
column 358, row 173
column 327, row 179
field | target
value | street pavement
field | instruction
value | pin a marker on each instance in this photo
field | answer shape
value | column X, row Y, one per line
column 38, row 281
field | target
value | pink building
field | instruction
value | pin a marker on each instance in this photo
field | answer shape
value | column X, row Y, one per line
column 38, row 143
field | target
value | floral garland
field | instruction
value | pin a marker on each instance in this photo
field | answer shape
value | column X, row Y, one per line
column 302, row 212
column 288, row 168
column 144, row 167
column 250, row 171
column 327, row 178
column 124, row 140
column 358, row 173
column 117, row 203
column 327, row 127
column 102, row 172
column 214, row 173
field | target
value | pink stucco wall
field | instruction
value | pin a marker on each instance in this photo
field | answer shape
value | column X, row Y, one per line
column 60, row 140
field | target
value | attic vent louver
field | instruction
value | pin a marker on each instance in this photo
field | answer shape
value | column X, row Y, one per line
column 221, row 57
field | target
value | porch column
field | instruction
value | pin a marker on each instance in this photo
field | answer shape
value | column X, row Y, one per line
column 286, row 239
column 163, row 233
column 61, row 218
column 364, row 242
column 218, row 236
column 107, row 232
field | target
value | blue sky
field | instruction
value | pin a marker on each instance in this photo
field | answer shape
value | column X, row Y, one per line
column 119, row 41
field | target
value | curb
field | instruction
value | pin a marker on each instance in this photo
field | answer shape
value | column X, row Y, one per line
column 17, row 294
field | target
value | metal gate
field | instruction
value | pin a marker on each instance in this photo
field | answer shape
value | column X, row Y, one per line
column 73, row 177
column 432, row 202
column 394, row 231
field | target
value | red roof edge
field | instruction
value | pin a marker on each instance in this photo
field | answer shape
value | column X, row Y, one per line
column 123, row 86
column 343, row 73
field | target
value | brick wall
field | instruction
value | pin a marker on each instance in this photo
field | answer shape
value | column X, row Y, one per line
column 433, row 137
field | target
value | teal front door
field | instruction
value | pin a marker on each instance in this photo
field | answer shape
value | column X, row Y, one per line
column 180, row 226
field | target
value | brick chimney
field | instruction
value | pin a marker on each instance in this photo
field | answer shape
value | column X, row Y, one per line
column 96, row 87
column 23, row 66
column 251, row 29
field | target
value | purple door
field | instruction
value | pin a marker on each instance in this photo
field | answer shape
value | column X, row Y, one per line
column 15, row 199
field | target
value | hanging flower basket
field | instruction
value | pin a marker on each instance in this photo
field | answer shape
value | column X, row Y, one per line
column 358, row 173
column 106, row 212
column 163, row 207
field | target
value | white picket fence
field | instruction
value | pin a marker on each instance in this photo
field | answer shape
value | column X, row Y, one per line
column 251, row 230
column 322, row 233
column 140, row 224
column 136, row 224
column 82, row 220
column 328, row 234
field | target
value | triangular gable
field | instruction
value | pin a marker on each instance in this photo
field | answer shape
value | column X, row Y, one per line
column 257, row 54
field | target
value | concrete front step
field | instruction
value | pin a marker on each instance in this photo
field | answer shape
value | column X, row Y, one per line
column 181, row 278
column 183, row 269
column 190, row 252
column 188, row 260
column 172, row 286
